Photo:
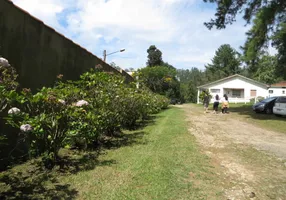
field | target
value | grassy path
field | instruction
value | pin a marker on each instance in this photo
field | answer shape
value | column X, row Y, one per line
column 161, row 162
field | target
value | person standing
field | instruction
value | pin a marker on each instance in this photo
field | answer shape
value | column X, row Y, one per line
column 216, row 104
column 224, row 104
column 206, row 102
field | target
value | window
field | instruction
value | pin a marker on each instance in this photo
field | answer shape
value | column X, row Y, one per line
column 236, row 93
column 215, row 90
column 253, row 93
column 270, row 91
column 281, row 100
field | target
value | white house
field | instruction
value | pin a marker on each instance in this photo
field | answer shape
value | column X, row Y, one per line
column 278, row 89
column 239, row 89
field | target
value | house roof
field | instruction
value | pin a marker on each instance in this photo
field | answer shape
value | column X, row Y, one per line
column 232, row 77
column 278, row 85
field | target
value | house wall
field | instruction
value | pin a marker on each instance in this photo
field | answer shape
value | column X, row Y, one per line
column 238, row 83
column 277, row 92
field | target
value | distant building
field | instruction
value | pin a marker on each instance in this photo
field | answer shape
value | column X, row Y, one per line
column 277, row 89
column 239, row 89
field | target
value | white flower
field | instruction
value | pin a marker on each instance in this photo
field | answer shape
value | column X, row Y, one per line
column 81, row 103
column 62, row 101
column 4, row 62
column 26, row 128
column 14, row 111
column 116, row 96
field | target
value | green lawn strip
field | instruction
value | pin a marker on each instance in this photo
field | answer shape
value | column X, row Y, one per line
column 164, row 164
column 160, row 161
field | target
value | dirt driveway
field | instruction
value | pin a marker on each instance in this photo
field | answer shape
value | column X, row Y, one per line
column 249, row 161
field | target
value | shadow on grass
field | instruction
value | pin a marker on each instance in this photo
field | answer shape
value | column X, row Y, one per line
column 248, row 112
column 72, row 163
column 125, row 140
column 33, row 181
column 33, row 184
column 141, row 124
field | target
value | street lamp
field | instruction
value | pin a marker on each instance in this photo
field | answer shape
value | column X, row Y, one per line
column 104, row 53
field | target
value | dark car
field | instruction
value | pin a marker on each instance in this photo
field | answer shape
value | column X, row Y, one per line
column 265, row 106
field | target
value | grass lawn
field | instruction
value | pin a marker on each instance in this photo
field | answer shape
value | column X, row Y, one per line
column 160, row 161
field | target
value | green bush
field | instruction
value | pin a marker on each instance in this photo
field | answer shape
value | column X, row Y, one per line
column 79, row 113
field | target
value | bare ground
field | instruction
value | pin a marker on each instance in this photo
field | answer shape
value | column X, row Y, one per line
column 250, row 161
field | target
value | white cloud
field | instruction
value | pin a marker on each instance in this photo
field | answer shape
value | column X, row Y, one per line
column 45, row 10
column 174, row 26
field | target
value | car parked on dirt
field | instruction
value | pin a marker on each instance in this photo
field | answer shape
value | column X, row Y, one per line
column 265, row 106
column 280, row 106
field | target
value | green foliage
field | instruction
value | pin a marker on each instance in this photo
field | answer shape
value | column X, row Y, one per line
column 80, row 113
column 8, row 84
column 224, row 63
column 161, row 80
column 279, row 41
column 269, row 17
column 267, row 70
column 227, row 11
column 189, row 81
column 154, row 56
column 202, row 95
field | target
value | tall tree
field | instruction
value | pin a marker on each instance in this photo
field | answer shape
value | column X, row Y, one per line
column 279, row 41
column 189, row 80
column 267, row 70
column 154, row 56
column 225, row 63
column 160, row 79
column 268, row 15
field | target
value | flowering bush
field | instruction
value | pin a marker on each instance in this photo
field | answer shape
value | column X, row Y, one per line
column 79, row 113
column 8, row 83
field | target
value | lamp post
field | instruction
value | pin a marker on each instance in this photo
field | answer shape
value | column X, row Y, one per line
column 104, row 53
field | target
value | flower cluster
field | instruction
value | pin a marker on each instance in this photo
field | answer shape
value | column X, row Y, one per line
column 62, row 101
column 14, row 111
column 81, row 103
column 26, row 128
column 4, row 62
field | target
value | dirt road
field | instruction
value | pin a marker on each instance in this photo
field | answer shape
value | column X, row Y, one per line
column 249, row 161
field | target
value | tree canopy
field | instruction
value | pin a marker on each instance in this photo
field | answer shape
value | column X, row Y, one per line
column 224, row 63
column 268, row 18
column 154, row 56
column 161, row 80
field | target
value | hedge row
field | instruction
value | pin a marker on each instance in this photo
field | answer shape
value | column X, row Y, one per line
column 74, row 113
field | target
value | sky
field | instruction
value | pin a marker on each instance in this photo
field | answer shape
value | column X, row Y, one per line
column 173, row 26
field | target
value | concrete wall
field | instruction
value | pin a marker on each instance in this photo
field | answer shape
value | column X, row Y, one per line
column 38, row 52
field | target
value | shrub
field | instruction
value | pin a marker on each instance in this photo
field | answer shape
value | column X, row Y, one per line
column 79, row 113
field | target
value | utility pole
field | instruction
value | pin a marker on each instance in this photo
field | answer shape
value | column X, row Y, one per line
column 104, row 55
